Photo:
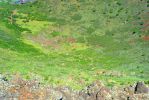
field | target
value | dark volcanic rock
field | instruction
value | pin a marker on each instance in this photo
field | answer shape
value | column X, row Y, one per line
column 141, row 88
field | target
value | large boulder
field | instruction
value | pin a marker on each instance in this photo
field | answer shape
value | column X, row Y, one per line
column 96, row 91
column 141, row 88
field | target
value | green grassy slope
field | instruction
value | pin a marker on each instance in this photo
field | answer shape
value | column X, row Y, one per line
column 77, row 41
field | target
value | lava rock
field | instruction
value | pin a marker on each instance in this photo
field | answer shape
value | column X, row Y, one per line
column 141, row 88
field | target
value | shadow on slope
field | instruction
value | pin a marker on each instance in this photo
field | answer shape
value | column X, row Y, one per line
column 13, row 43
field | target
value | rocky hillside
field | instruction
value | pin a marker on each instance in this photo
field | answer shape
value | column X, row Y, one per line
column 74, row 43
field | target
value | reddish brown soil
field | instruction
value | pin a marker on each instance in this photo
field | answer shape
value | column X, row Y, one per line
column 145, row 38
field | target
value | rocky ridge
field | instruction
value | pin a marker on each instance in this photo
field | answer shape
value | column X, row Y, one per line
column 19, row 89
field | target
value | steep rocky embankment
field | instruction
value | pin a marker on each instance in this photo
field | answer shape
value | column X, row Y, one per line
column 19, row 89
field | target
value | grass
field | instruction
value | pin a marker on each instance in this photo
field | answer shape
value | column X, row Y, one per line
column 64, row 47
